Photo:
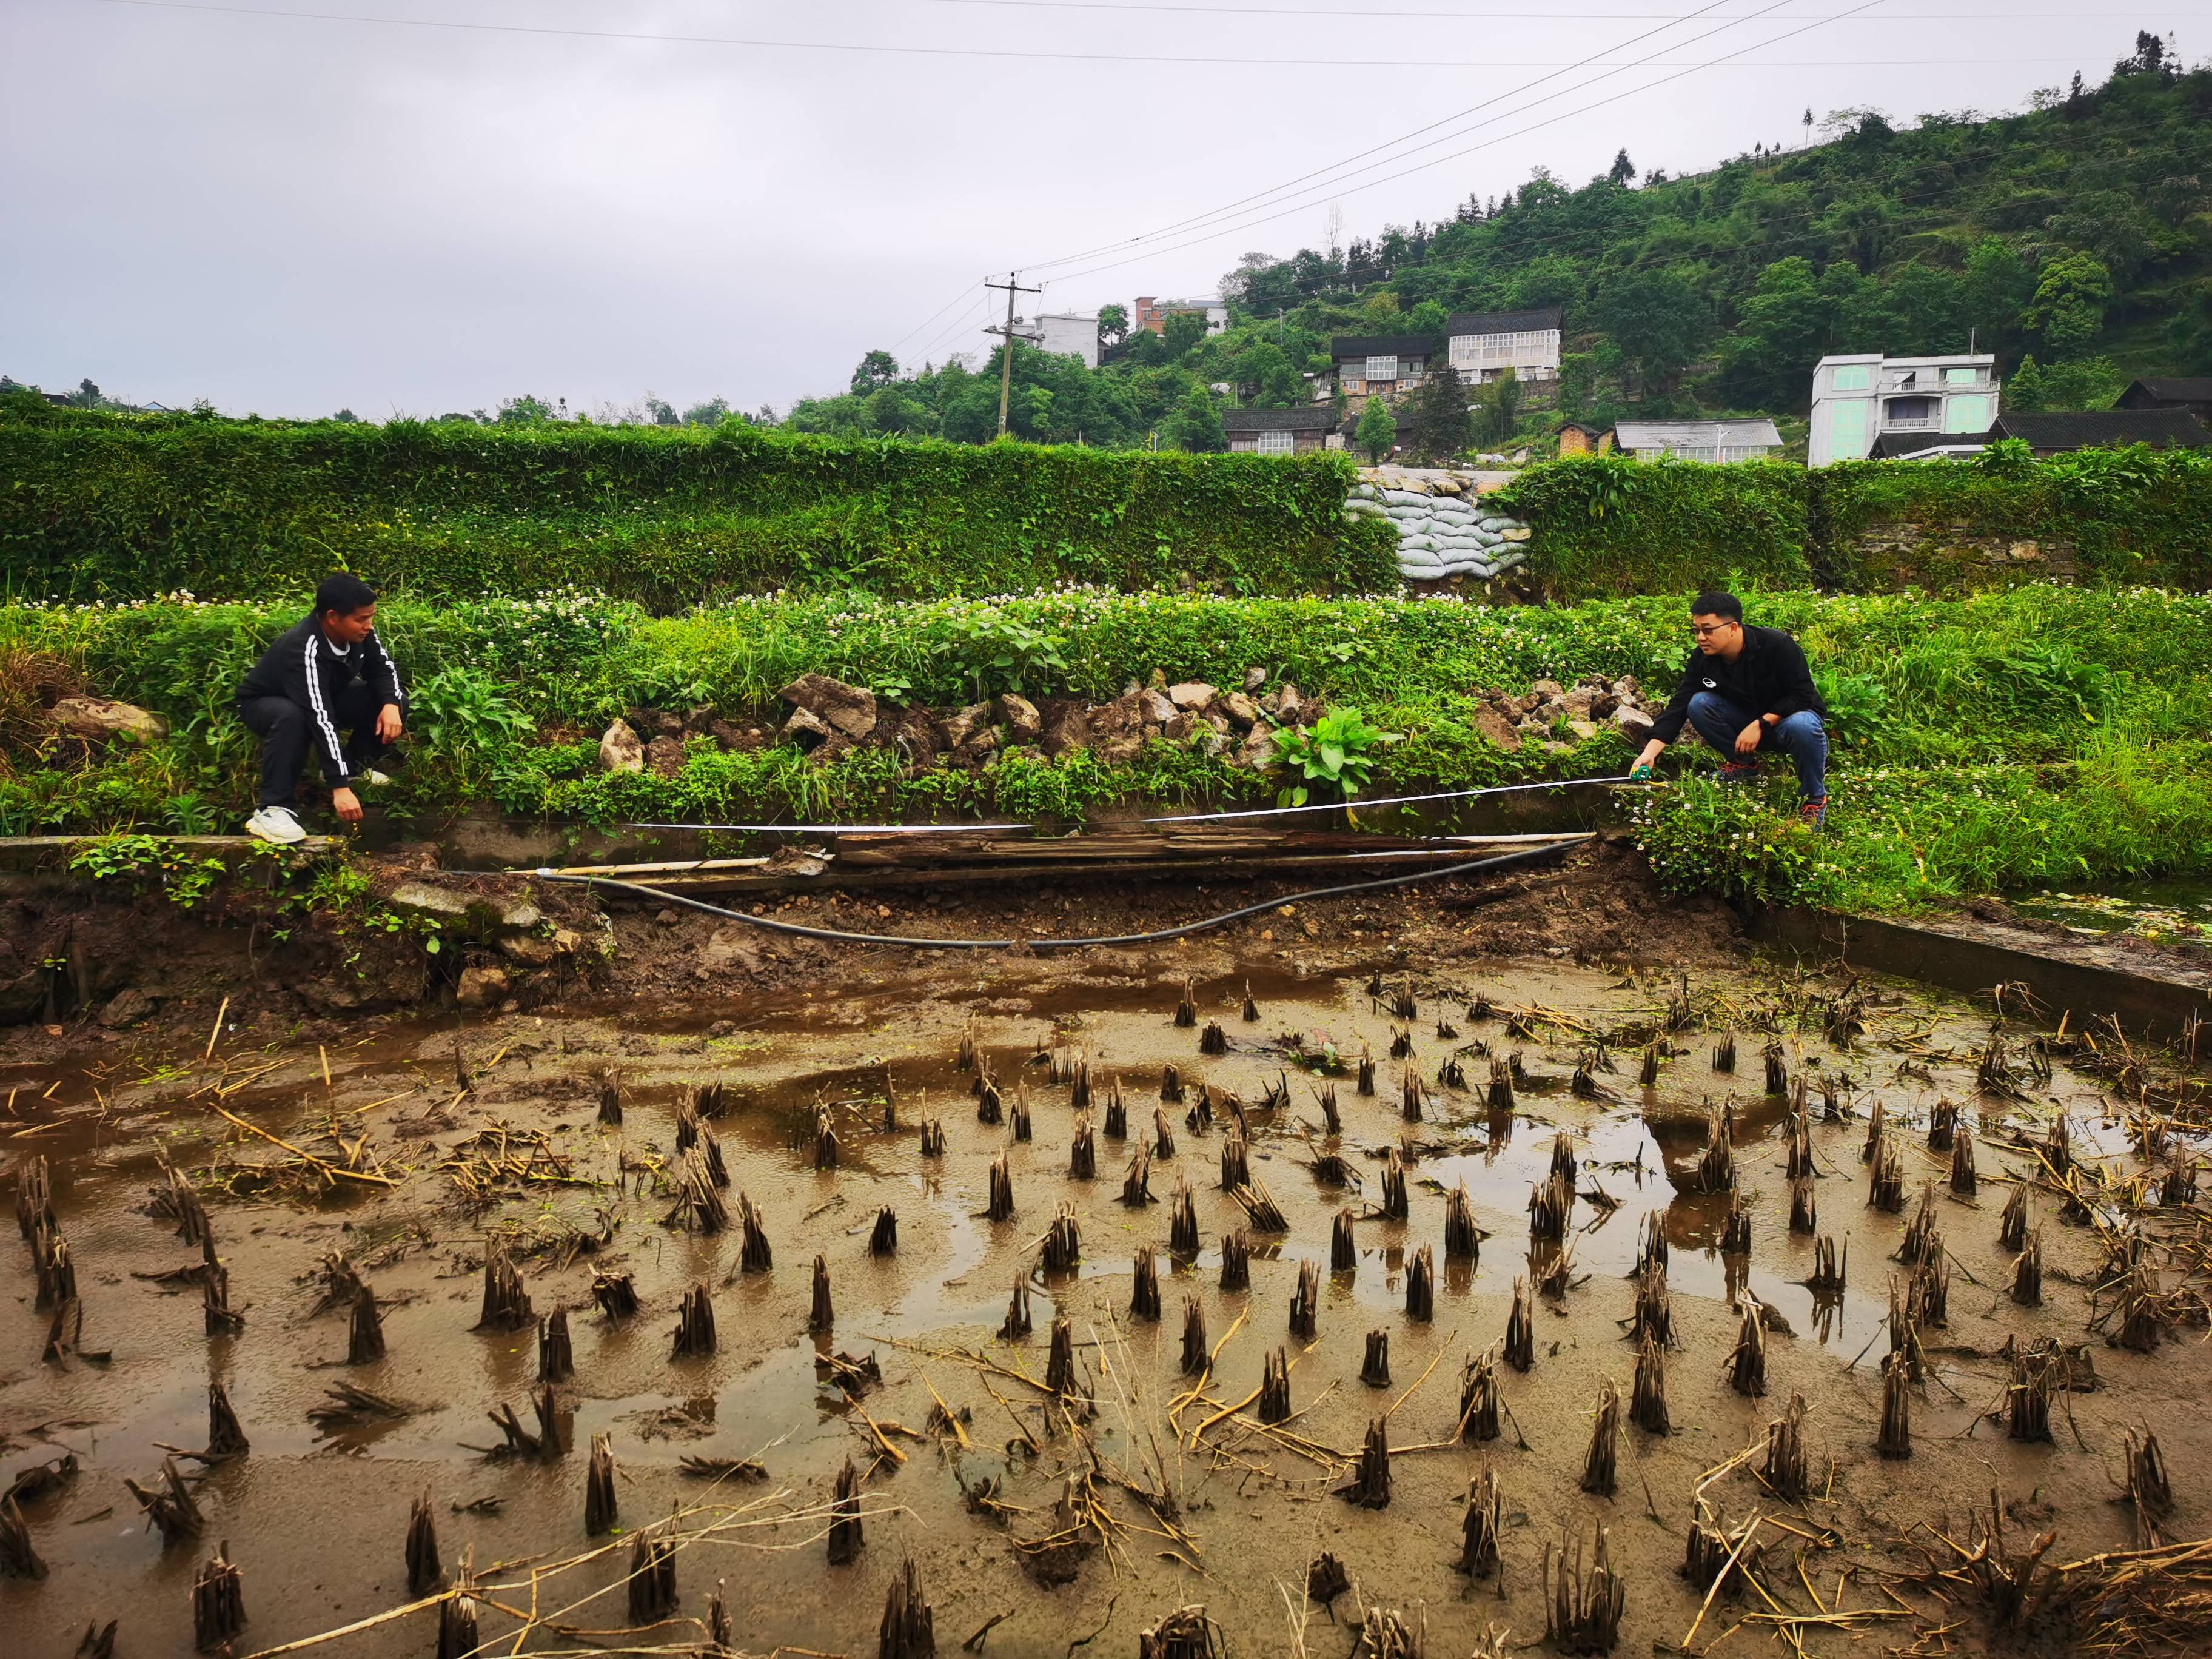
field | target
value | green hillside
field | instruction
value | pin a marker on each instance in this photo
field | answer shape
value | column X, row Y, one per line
column 2078, row 233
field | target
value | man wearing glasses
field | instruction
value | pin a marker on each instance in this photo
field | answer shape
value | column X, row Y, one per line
column 1745, row 690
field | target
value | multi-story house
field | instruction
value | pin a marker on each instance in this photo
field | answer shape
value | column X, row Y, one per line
column 1483, row 346
column 1380, row 365
column 1861, row 398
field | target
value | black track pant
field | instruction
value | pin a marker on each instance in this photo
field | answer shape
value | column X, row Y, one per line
column 286, row 731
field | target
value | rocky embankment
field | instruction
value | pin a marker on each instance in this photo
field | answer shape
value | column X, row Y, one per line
column 831, row 719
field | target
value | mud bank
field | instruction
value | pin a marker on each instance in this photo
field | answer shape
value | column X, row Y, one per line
column 424, row 1149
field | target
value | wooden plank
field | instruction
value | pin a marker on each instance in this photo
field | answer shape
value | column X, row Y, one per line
column 29, row 852
column 1225, row 867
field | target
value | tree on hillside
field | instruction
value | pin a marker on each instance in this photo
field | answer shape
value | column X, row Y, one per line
column 878, row 368
column 1657, row 317
column 1113, row 326
column 1183, row 331
column 2067, row 312
column 1501, row 408
column 1193, row 425
column 1861, row 228
column 1439, row 409
column 1999, row 285
column 2085, row 383
column 1377, row 431
column 1623, row 172
column 662, row 412
column 526, row 410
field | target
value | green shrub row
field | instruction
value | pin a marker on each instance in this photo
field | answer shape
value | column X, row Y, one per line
column 2042, row 734
column 1609, row 526
column 106, row 506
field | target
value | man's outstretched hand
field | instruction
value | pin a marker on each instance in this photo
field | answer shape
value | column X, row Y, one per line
column 389, row 726
column 346, row 804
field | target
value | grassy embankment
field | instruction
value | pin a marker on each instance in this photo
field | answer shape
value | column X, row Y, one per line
column 2042, row 735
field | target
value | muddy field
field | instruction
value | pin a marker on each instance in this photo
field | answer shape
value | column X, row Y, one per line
column 421, row 1158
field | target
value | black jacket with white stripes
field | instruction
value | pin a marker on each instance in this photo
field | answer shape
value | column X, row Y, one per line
column 304, row 667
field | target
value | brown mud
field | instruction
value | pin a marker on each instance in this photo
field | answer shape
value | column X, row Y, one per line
column 437, row 1140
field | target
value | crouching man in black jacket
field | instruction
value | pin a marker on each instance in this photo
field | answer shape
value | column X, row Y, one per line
column 324, row 675
column 1745, row 690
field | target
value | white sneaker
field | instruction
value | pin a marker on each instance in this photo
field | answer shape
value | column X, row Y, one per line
column 373, row 779
column 277, row 824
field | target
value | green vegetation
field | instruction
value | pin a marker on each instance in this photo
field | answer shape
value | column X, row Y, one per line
column 2038, row 735
column 1606, row 524
column 100, row 505
column 2079, row 232
column 1339, row 750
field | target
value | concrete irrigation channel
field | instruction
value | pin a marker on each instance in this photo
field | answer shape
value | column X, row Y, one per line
column 1062, row 1295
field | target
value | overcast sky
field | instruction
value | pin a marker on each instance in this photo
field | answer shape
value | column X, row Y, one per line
column 287, row 206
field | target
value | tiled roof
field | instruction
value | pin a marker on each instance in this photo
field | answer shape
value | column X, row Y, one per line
column 2162, row 428
column 2175, row 388
column 1504, row 322
column 1382, row 345
column 1319, row 417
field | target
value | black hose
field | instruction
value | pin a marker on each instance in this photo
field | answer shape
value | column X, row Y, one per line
column 1502, row 861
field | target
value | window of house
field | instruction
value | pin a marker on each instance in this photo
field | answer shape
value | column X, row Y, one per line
column 1852, row 377
column 1962, row 376
column 1907, row 411
column 1276, row 443
column 1382, row 368
column 1972, row 414
column 1847, row 428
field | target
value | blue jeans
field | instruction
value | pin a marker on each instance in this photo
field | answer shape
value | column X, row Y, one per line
column 1800, row 736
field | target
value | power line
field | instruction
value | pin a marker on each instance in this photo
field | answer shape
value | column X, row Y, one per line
column 1434, row 161
column 1372, row 149
column 2004, row 17
column 966, row 290
column 1220, row 61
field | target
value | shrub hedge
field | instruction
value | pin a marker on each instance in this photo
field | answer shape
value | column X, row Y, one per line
column 104, row 506
column 115, row 507
column 1611, row 526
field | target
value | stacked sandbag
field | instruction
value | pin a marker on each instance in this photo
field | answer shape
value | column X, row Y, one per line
column 1444, row 530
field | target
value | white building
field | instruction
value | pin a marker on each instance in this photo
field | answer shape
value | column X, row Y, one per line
column 1483, row 346
column 1717, row 442
column 1861, row 398
column 1068, row 334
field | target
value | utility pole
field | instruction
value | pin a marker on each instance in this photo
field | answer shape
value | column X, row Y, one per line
column 1006, row 338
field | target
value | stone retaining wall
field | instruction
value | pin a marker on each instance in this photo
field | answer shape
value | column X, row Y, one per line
column 1444, row 530
column 1952, row 557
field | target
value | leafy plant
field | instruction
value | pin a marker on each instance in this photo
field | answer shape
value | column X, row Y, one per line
column 459, row 709
column 149, row 860
column 992, row 651
column 1339, row 749
column 1858, row 706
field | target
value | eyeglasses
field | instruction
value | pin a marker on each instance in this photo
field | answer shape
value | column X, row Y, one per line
column 1703, row 629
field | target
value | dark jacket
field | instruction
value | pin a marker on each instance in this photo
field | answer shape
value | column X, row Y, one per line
column 1768, row 677
column 302, row 666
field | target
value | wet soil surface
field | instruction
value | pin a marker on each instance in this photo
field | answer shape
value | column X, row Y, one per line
column 1165, row 1495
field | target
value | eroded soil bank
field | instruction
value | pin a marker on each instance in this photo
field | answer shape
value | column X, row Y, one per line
column 1069, row 1522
